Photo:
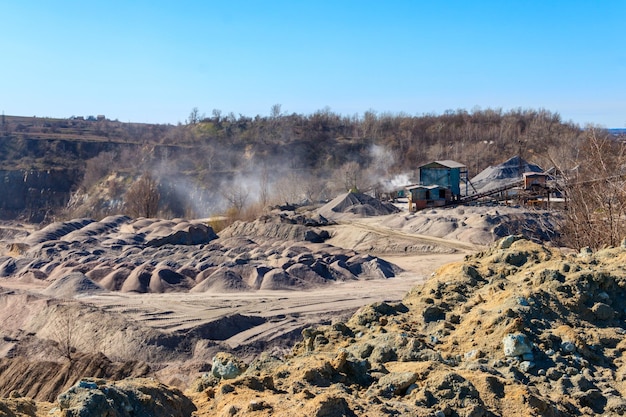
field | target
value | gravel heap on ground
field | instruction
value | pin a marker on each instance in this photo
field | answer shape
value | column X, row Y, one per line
column 127, row 398
column 284, row 225
column 358, row 204
column 506, row 173
column 478, row 225
column 84, row 256
column 520, row 329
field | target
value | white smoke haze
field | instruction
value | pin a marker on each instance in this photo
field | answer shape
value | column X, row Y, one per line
column 382, row 159
column 209, row 184
column 399, row 181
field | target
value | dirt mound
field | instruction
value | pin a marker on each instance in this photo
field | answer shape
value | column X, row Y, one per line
column 55, row 231
column 519, row 329
column 222, row 280
column 506, row 173
column 275, row 230
column 357, row 204
column 71, row 285
column 45, row 380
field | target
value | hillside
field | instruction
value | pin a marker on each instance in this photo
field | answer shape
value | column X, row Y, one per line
column 213, row 163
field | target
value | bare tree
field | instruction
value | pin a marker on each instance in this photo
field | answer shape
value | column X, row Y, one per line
column 275, row 111
column 97, row 167
column 142, row 198
column 194, row 116
column 237, row 195
column 352, row 173
column 264, row 183
column 65, row 332
column 288, row 188
column 315, row 189
column 596, row 194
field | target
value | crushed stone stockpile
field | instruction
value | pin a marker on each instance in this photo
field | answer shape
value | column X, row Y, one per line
column 503, row 174
column 157, row 256
column 355, row 204
column 478, row 225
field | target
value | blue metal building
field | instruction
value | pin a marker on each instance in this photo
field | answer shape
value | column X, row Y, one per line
column 448, row 174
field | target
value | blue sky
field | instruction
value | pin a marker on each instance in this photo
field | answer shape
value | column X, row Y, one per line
column 153, row 61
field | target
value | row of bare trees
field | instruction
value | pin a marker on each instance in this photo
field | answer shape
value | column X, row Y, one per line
column 594, row 182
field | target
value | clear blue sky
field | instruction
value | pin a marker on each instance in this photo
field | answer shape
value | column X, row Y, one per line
column 153, row 61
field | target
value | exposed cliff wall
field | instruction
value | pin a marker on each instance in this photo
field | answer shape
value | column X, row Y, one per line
column 31, row 194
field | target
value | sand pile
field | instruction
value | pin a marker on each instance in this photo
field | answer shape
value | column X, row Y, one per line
column 72, row 284
column 357, row 204
column 84, row 256
column 479, row 225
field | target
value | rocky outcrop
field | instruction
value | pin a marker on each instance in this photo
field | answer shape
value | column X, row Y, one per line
column 31, row 193
column 126, row 398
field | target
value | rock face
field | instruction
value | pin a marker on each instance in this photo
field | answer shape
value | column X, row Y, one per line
column 32, row 191
column 44, row 380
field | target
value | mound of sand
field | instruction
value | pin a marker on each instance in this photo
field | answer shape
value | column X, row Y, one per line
column 358, row 204
column 222, row 280
column 71, row 285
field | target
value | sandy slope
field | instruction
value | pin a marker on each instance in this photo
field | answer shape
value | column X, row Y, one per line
column 178, row 333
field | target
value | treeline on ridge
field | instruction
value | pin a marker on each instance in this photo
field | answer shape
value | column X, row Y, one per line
column 319, row 141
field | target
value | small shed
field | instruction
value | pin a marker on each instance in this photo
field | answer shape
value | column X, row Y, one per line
column 447, row 174
column 535, row 180
column 423, row 196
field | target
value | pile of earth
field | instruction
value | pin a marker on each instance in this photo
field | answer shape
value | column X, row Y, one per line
column 156, row 256
column 443, row 230
column 284, row 225
column 508, row 172
column 518, row 329
column 355, row 204
column 479, row 225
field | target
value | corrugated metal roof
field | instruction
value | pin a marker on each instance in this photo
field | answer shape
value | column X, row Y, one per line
column 451, row 164
column 445, row 163
column 424, row 187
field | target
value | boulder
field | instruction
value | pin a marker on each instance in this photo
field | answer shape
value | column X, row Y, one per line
column 227, row 366
column 126, row 398
column 516, row 345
